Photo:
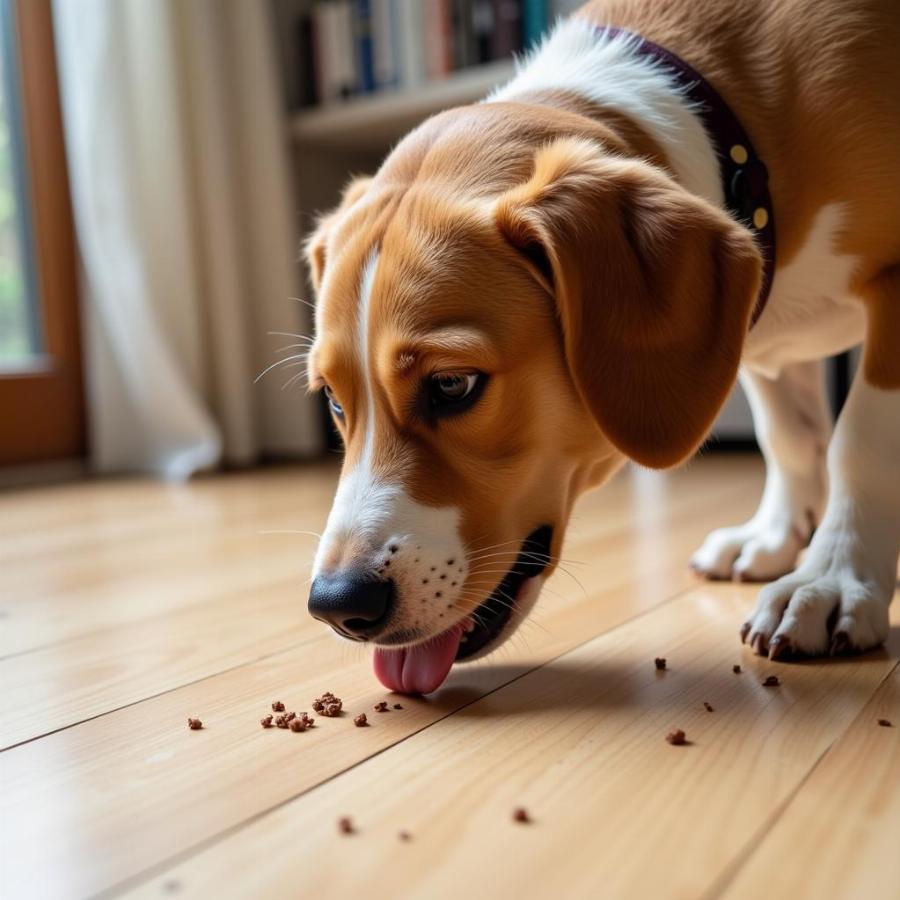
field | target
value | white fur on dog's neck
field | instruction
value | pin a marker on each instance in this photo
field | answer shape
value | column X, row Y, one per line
column 578, row 57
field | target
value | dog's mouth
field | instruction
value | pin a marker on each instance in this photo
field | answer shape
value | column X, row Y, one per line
column 485, row 623
column 422, row 668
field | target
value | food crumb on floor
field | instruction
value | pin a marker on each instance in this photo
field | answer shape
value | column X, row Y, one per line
column 660, row 663
column 405, row 836
column 736, row 669
column 360, row 720
column 328, row 705
column 277, row 706
column 266, row 721
column 885, row 723
column 520, row 814
column 382, row 707
column 195, row 724
column 676, row 737
column 345, row 825
column 397, row 706
column 771, row 681
column 707, row 707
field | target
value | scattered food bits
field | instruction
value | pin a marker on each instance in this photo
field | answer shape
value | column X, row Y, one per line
column 382, row 707
column 345, row 825
column 520, row 814
column 277, row 706
column 771, row 681
column 405, row 836
column 397, row 706
column 707, row 707
column 360, row 720
column 328, row 705
column 297, row 724
column 195, row 724
column 288, row 717
column 660, row 663
column 266, row 721
column 281, row 721
column 676, row 737
column 736, row 669
column 885, row 723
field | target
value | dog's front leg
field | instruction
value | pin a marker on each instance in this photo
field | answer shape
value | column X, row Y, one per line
column 793, row 425
column 838, row 597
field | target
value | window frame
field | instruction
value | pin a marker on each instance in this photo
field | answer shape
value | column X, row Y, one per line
column 42, row 402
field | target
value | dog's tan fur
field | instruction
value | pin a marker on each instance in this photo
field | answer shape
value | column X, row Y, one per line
column 499, row 226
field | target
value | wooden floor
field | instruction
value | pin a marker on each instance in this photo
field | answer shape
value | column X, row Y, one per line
column 127, row 606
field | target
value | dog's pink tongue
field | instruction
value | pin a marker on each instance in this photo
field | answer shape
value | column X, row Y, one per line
column 420, row 669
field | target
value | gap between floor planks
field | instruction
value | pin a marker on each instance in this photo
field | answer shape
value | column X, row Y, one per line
column 649, row 819
column 47, row 690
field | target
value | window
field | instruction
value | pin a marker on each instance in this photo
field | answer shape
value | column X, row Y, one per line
column 41, row 403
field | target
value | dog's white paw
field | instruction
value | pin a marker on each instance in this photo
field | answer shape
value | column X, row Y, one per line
column 754, row 551
column 768, row 545
column 823, row 607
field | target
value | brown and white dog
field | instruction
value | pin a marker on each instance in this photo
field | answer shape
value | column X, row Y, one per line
column 536, row 288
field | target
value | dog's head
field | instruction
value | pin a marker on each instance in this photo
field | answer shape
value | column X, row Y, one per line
column 498, row 328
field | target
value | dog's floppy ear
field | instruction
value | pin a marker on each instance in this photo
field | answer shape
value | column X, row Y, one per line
column 318, row 240
column 654, row 289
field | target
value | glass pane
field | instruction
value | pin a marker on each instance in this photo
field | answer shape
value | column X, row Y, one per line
column 20, row 337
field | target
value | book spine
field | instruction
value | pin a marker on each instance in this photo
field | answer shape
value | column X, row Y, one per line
column 412, row 50
column 384, row 43
column 307, row 90
column 483, row 29
column 322, row 17
column 345, row 47
column 507, row 37
column 437, row 40
column 463, row 39
column 364, row 54
column 534, row 21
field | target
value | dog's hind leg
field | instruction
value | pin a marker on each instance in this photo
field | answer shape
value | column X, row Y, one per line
column 793, row 426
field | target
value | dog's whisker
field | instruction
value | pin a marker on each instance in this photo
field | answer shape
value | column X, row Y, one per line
column 295, row 359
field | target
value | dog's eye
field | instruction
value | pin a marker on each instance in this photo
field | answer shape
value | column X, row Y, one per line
column 448, row 389
column 336, row 407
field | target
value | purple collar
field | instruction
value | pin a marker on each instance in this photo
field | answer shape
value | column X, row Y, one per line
column 745, row 179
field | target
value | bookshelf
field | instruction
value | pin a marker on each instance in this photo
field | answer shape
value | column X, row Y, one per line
column 373, row 122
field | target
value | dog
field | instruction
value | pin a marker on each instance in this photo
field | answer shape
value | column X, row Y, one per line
column 536, row 288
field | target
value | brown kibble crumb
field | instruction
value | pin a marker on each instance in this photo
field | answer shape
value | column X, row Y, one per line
column 360, row 720
column 736, row 669
column 660, row 663
column 345, row 825
column 281, row 721
column 328, row 705
column 277, row 706
column 520, row 814
column 288, row 717
column 195, row 724
column 397, row 706
column 707, row 707
column 266, row 721
column 297, row 725
column 771, row 681
column 676, row 737
column 885, row 723
column 382, row 707
column 405, row 836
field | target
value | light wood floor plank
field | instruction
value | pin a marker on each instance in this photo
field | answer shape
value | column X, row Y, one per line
column 580, row 743
column 55, row 687
column 137, row 787
column 849, row 808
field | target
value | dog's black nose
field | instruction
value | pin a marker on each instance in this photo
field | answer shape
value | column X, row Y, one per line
column 351, row 604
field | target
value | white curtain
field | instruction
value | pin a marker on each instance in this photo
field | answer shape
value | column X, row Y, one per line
column 186, row 223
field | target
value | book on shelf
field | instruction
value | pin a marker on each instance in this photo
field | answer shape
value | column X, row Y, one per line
column 334, row 49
